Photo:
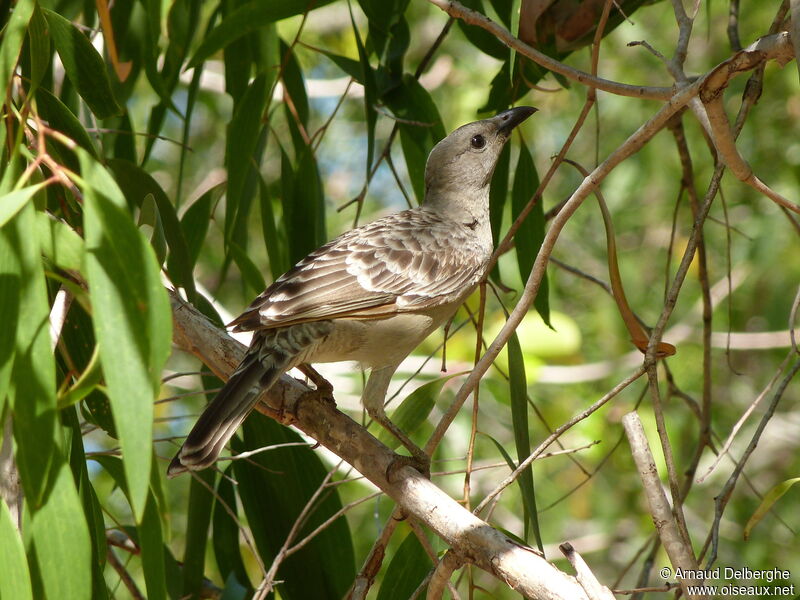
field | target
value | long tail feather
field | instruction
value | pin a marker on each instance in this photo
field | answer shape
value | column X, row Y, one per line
column 226, row 412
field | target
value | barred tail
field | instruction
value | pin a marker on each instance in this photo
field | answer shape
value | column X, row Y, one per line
column 228, row 409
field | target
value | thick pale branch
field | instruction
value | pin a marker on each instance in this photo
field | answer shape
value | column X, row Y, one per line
column 679, row 553
column 470, row 537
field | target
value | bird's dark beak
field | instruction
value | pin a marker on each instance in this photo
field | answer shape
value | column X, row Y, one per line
column 509, row 119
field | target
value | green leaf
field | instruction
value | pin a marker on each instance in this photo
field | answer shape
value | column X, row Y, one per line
column 275, row 248
column 150, row 221
column 10, row 284
column 518, row 388
column 769, row 500
column 83, row 65
column 274, row 488
column 60, row 538
column 39, row 44
column 151, row 539
column 131, row 317
column 411, row 102
column 12, row 39
column 241, row 142
column 33, row 384
column 15, row 579
column 194, row 223
column 409, row 566
column 59, row 242
column 11, row 203
column 226, row 534
column 197, row 521
column 303, row 205
column 60, row 117
column 480, row 38
column 498, row 196
column 248, row 18
column 370, row 92
column 137, row 185
column 86, row 384
column 529, row 236
column 250, row 272
column 414, row 410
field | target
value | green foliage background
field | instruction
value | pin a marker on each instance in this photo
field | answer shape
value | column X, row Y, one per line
column 214, row 154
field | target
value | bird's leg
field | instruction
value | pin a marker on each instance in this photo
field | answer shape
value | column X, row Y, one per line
column 373, row 399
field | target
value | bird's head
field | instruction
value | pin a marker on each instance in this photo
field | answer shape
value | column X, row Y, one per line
column 464, row 161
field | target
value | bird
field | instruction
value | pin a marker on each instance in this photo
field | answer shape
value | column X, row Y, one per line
column 370, row 295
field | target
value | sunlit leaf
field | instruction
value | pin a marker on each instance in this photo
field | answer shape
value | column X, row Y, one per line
column 770, row 498
column 60, row 538
column 131, row 317
column 14, row 576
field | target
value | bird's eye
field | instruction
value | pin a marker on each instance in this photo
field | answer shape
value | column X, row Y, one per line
column 478, row 141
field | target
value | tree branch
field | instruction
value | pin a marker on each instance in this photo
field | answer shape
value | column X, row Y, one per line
column 292, row 401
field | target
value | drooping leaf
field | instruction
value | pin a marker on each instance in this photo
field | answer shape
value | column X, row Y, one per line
column 529, row 236
column 59, row 242
column 421, row 128
column 60, row 538
column 770, row 498
column 12, row 39
column 518, row 389
column 32, row 387
column 83, row 65
column 15, row 580
column 408, row 567
column 137, row 184
column 242, row 139
column 11, row 203
column 197, row 520
column 131, row 317
column 226, row 534
column 274, row 487
column 247, row 18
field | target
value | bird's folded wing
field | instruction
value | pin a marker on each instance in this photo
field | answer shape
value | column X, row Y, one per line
column 405, row 262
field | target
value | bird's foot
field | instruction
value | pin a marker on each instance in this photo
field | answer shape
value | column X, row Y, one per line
column 324, row 388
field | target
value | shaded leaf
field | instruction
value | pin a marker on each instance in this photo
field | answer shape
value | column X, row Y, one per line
column 278, row 263
column 518, row 388
column 274, row 487
column 59, row 242
column 421, row 130
column 408, row 567
column 226, row 534
column 242, row 140
column 83, row 65
column 197, row 521
column 529, row 236
column 137, row 184
column 247, row 18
